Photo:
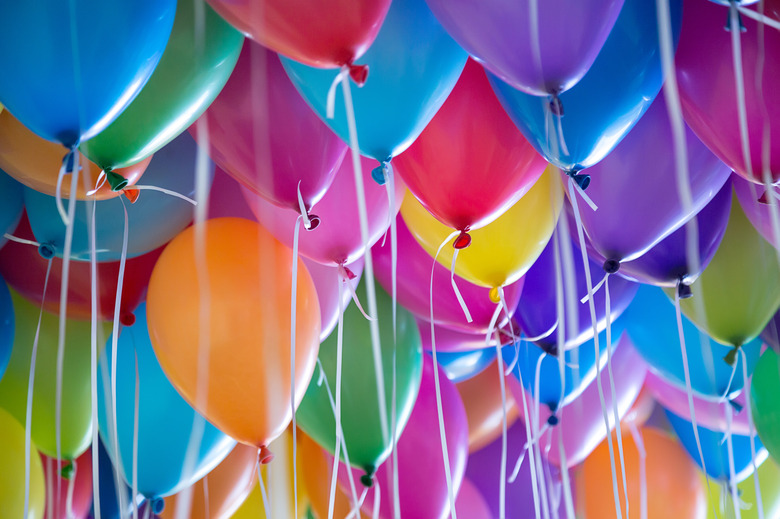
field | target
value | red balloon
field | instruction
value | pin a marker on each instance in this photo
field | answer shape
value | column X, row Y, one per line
column 82, row 487
column 319, row 33
column 25, row 271
column 471, row 163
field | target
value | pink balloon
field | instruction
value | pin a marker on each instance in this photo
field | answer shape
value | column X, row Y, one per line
column 226, row 198
column 326, row 281
column 581, row 422
column 413, row 274
column 337, row 238
column 759, row 214
column 82, row 487
column 450, row 340
column 470, row 502
column 264, row 134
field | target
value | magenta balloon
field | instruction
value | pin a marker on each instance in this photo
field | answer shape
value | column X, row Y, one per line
column 635, row 190
column 264, row 134
column 337, row 239
column 759, row 214
column 413, row 278
column 226, row 198
column 548, row 54
column 326, row 280
column 450, row 340
column 470, row 502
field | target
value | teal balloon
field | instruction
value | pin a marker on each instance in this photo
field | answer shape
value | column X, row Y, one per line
column 651, row 323
column 7, row 326
column 715, row 449
column 165, row 419
column 413, row 66
column 11, row 205
column 153, row 220
column 69, row 68
column 612, row 96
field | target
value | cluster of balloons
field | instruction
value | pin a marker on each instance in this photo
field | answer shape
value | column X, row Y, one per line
column 538, row 273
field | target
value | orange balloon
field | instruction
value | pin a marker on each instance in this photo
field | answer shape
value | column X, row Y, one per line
column 246, row 335
column 35, row 162
column 674, row 488
column 227, row 486
column 481, row 396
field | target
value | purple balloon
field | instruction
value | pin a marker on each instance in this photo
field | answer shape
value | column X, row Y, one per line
column 635, row 189
column 542, row 54
column 759, row 213
column 771, row 333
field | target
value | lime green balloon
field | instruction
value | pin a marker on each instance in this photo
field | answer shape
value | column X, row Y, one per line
column 764, row 401
column 769, row 482
column 740, row 289
column 200, row 56
column 12, row 472
column 360, row 417
column 76, row 417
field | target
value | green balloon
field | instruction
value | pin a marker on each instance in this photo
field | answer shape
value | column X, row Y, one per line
column 764, row 402
column 360, row 417
column 769, row 484
column 76, row 417
column 200, row 56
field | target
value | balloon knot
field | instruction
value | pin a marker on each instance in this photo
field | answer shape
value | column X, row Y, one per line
column 556, row 106
column 463, row 240
column 314, row 222
column 611, row 266
column 350, row 275
column 358, row 73
column 736, row 406
column 67, row 471
column 727, row 27
column 46, row 250
column 368, row 478
column 731, row 356
column 127, row 319
column 264, row 456
column 157, row 505
column 493, row 294
column 764, row 199
column 69, row 160
column 116, row 181
column 551, row 349
column 379, row 173
column 552, row 420
column 684, row 291
column 581, row 179
column 131, row 194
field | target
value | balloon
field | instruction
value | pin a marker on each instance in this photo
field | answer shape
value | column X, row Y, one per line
column 413, row 271
column 607, row 102
column 326, row 280
column 35, row 162
column 337, row 238
column 740, row 290
column 315, row 470
column 76, row 417
column 247, row 334
column 523, row 45
column 714, row 449
column 763, row 401
column 488, row 165
column 330, row 34
column 414, row 64
column 201, row 53
column 12, row 468
column 769, row 481
column 162, row 459
column 7, row 328
column 658, row 341
column 265, row 136
column 673, row 488
column 631, row 187
column 80, row 479
column 11, row 205
column 69, row 70
column 492, row 260
column 751, row 198
column 464, row 365
column 109, row 490
column 453, row 341
column 153, row 219
column 481, row 396
column 360, row 419
column 470, row 502
column 226, row 197
column 708, row 92
column 770, row 333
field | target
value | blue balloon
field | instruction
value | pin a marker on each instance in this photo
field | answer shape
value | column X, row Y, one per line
column 165, row 419
column 6, row 326
column 109, row 489
column 462, row 365
column 714, row 449
column 153, row 220
column 651, row 323
column 413, row 66
column 11, row 205
column 601, row 109
column 70, row 68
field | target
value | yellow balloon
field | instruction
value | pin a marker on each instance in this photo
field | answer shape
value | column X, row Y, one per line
column 12, row 472
column 502, row 251
column 769, row 482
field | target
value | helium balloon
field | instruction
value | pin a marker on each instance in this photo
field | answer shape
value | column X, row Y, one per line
column 453, row 341
column 315, row 469
column 110, row 490
column 753, row 200
column 12, row 468
column 7, row 325
column 226, row 197
column 247, row 332
column 414, row 65
column 326, row 280
column 501, row 252
column 763, row 401
column 470, row 502
column 80, row 479
column 461, row 366
column 769, row 484
column 11, row 205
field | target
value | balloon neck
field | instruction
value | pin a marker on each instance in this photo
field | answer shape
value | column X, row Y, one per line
column 581, row 179
column 735, row 6
column 684, row 290
column 556, row 106
column 157, row 505
column 66, row 472
column 494, row 296
column 69, row 160
column 115, row 180
column 264, row 456
column 358, row 73
column 127, row 319
column 552, row 420
column 348, row 273
column 379, row 173
column 731, row 356
column 552, row 350
column 314, row 222
column 736, row 406
column 46, row 250
column 463, row 240
column 611, row 266
column 367, row 479
column 131, row 194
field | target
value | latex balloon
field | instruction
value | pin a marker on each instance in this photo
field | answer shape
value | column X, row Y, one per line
column 766, row 415
column 715, row 450
column 153, row 219
column 754, row 200
column 12, row 465
column 226, row 198
column 81, row 481
column 7, row 326
column 52, row 55
column 492, row 260
column 35, row 162
column 110, row 490
column 671, row 479
column 453, row 341
column 611, row 97
column 414, row 65
column 11, row 205
column 658, row 342
column 769, row 484
column 771, row 333
column 264, row 135
column 76, row 417
column 337, row 238
column 324, row 35
column 248, row 298
column 708, row 90
column 481, row 396
column 315, row 469
column 413, row 272
column 461, row 366
column 366, row 445
column 326, row 280
column 488, row 165
column 470, row 502
column 521, row 42
column 740, row 290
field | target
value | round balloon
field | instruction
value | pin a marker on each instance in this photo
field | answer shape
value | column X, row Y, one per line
column 763, row 402
column 12, row 471
column 11, row 205
column 81, row 498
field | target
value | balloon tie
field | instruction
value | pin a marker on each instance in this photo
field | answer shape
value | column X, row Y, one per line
column 458, row 295
column 69, row 165
column 310, row 221
column 330, row 107
column 751, row 433
column 136, row 405
column 584, row 299
column 556, row 106
column 166, row 191
column 358, row 73
column 99, row 181
column 731, row 356
column 734, row 12
column 683, row 289
column 724, row 396
column 761, row 18
column 640, row 447
column 463, row 240
column 345, row 273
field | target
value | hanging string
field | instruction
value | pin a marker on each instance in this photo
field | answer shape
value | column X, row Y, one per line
column 640, row 446
column 530, row 438
column 263, row 493
column 353, row 294
column 732, row 476
column 567, row 496
column 93, row 360
column 535, row 451
column 751, row 433
column 584, row 299
column 355, row 512
column 330, row 105
column 293, row 316
column 458, row 295
column 69, row 165
column 761, row 18
column 377, row 500
column 167, row 192
column 337, row 410
column 136, row 414
column 502, row 488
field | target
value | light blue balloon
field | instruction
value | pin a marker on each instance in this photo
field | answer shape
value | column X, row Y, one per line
column 714, row 449
column 165, row 420
column 413, row 66
column 153, row 220
column 463, row 365
column 67, row 69
column 11, row 205
column 651, row 323
column 603, row 107
column 6, row 326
